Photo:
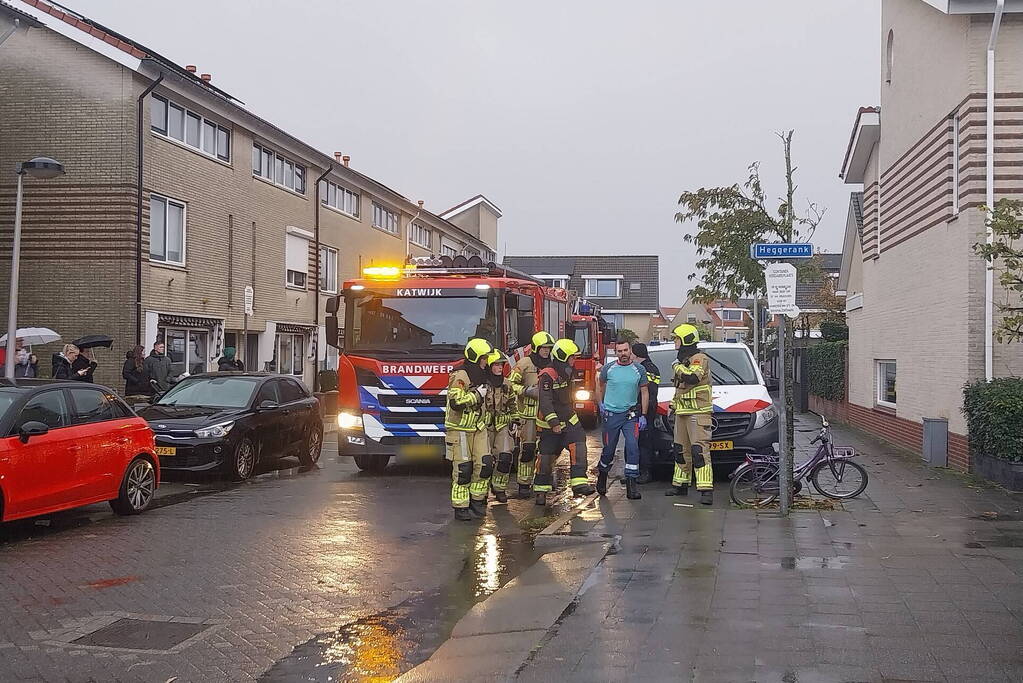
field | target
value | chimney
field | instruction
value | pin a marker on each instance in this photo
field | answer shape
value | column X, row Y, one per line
column 345, row 159
column 337, row 157
column 421, row 204
column 190, row 68
column 206, row 77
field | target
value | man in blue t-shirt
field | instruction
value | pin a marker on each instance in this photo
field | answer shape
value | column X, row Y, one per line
column 618, row 385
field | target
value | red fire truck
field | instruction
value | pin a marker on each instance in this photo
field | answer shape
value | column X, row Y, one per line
column 592, row 334
column 404, row 330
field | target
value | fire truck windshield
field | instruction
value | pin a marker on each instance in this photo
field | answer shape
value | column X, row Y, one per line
column 581, row 337
column 382, row 323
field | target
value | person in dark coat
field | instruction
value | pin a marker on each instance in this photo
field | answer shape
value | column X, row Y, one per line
column 136, row 382
column 23, row 366
column 158, row 366
column 83, row 367
column 228, row 362
column 62, row 361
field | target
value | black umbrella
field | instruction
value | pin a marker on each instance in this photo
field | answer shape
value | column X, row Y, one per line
column 90, row 341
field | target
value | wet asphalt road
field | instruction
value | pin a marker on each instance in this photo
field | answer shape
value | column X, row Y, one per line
column 296, row 575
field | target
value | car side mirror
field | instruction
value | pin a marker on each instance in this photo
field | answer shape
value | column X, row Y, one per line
column 30, row 429
column 772, row 384
column 267, row 405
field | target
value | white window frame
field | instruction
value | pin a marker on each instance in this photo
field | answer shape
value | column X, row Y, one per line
column 617, row 279
column 690, row 318
column 726, row 312
column 448, row 250
column 298, row 342
column 382, row 214
column 184, row 229
column 286, row 163
column 416, row 232
column 328, row 269
column 351, row 198
column 203, row 122
column 559, row 282
column 306, row 239
column 879, row 374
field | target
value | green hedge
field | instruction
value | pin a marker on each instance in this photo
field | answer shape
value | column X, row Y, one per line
column 826, row 369
column 994, row 416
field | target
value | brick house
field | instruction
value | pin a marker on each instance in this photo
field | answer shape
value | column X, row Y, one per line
column 224, row 200
column 916, row 292
column 726, row 320
column 659, row 329
column 625, row 287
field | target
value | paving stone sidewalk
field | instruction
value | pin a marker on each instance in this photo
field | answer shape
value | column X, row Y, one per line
column 920, row 579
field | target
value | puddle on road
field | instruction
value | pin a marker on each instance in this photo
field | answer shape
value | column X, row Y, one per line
column 802, row 563
column 384, row 645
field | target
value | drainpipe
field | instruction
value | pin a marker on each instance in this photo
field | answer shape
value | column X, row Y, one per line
column 138, row 216
column 989, row 275
column 17, row 25
column 316, row 287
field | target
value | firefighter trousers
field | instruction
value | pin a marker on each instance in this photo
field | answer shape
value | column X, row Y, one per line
column 525, row 452
column 472, row 465
column 502, row 446
column 692, row 444
column 550, row 445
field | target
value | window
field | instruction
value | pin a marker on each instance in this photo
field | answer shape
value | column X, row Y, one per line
column 740, row 336
column 49, row 407
column 187, row 349
column 291, row 391
column 90, row 406
column 635, row 286
column 448, row 250
column 340, row 198
column 955, row 163
column 268, row 392
column 272, row 167
column 617, row 318
column 886, row 383
column 176, row 122
column 555, row 282
column 296, row 260
column 328, row 270
column 470, row 252
column 289, row 354
column 690, row 317
column 420, row 235
column 731, row 315
column 385, row 219
column 605, row 289
column 166, row 230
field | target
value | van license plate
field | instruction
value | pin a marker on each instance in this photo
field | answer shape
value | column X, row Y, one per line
column 421, row 451
column 721, row 445
column 166, row 450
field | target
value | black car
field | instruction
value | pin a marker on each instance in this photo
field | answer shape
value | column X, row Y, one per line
column 233, row 420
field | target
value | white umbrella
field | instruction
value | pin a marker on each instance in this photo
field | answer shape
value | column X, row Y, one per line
column 33, row 336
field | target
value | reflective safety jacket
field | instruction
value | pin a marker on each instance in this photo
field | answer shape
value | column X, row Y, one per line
column 556, row 406
column 500, row 406
column 464, row 410
column 523, row 380
column 653, row 380
column 692, row 386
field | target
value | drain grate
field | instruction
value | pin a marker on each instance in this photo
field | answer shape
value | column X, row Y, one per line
column 141, row 634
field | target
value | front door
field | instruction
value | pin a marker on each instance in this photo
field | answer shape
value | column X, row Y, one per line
column 42, row 472
column 104, row 438
column 269, row 425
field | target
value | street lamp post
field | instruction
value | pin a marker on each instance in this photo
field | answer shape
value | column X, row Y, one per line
column 42, row 168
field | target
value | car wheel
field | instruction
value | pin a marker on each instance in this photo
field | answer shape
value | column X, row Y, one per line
column 243, row 461
column 137, row 488
column 310, row 452
column 372, row 463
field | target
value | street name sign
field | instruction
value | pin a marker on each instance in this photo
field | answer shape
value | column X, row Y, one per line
column 765, row 252
column 781, row 289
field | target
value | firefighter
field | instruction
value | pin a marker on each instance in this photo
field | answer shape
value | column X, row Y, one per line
column 499, row 410
column 693, row 406
column 523, row 381
column 466, row 437
column 647, row 437
column 558, row 425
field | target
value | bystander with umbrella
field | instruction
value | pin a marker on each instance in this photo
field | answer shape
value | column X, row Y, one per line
column 85, row 360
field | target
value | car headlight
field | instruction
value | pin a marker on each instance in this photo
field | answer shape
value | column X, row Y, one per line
column 349, row 420
column 765, row 417
column 582, row 395
column 215, row 432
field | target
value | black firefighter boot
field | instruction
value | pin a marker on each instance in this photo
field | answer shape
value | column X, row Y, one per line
column 583, row 489
column 501, row 496
column 682, row 490
column 524, row 491
column 707, row 497
column 632, row 489
column 463, row 515
column 478, row 508
column 602, row 482
column 541, row 498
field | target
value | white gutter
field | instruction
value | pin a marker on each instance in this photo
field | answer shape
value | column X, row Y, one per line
column 989, row 275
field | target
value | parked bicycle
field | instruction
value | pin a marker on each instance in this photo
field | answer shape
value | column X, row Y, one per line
column 831, row 471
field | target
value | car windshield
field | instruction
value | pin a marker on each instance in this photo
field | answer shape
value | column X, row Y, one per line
column 727, row 365
column 380, row 322
column 213, row 392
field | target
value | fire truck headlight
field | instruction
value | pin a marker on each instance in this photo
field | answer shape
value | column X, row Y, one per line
column 582, row 395
column 346, row 420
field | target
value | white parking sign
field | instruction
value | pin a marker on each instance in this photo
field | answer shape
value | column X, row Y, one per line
column 781, row 289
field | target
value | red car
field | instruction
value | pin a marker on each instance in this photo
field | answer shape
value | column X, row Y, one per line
column 66, row 444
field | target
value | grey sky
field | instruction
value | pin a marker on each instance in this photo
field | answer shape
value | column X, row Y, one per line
column 582, row 119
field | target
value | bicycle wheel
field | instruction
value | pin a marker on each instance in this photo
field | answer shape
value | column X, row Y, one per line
column 757, row 485
column 839, row 479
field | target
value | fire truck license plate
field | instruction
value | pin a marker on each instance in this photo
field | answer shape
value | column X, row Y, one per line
column 421, row 451
column 720, row 445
